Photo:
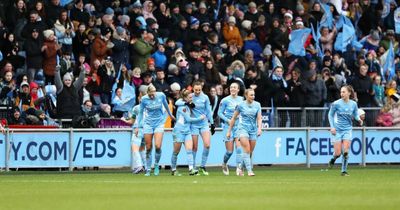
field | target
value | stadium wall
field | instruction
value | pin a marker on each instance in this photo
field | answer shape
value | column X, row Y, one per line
column 69, row 148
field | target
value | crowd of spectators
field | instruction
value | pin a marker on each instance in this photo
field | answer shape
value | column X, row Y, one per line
column 66, row 58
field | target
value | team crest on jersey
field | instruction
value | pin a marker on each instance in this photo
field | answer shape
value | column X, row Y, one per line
column 184, row 110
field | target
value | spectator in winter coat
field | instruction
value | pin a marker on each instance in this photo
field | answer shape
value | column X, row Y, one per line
column 49, row 49
column 100, row 47
column 395, row 112
column 362, row 85
column 160, row 58
column 80, row 42
column 231, row 33
column 64, row 31
column 35, row 21
column 33, row 49
column 16, row 117
column 24, row 99
column 141, row 50
column 120, row 51
column 314, row 89
column 68, row 104
column 385, row 118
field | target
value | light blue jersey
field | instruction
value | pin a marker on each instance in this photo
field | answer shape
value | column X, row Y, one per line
column 137, row 140
column 248, row 113
column 182, row 130
column 202, row 107
column 155, row 119
column 225, row 112
column 341, row 113
column 227, row 107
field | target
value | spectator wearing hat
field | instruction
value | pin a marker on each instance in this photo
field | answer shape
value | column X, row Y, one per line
column 177, row 73
column 202, row 14
column 231, row 33
column 148, row 8
column 372, row 41
column 23, row 99
column 305, row 16
column 141, row 50
column 33, row 48
column 176, row 16
column 16, row 118
column 120, row 51
column 288, row 20
column 49, row 50
column 188, row 11
column 78, row 14
column 68, row 104
column 252, row 14
column 261, row 31
column 99, row 47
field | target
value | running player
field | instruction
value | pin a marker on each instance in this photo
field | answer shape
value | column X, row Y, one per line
column 153, row 125
column 225, row 112
column 340, row 118
column 249, row 127
column 182, row 133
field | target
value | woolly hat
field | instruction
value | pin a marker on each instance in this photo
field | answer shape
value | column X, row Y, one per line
column 289, row 14
column 194, row 21
column 202, row 5
column 24, row 84
column 252, row 4
column 299, row 7
column 150, row 61
column 246, row 24
column 299, row 21
column 39, row 112
column 120, row 30
column 232, row 19
column 39, row 78
column 175, row 86
column 137, row 4
column 48, row 33
column 67, row 76
column 109, row 11
column 267, row 50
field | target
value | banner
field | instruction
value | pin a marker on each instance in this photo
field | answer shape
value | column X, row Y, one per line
column 2, row 151
column 39, row 150
column 113, row 149
column 102, row 149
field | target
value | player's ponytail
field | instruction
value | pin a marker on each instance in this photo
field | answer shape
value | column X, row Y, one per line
column 185, row 93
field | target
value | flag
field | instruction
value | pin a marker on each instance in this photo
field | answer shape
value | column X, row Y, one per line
column 298, row 38
column 272, row 114
column 346, row 36
column 128, row 94
column 276, row 62
column 397, row 20
column 389, row 65
column 386, row 8
column 316, row 37
column 327, row 18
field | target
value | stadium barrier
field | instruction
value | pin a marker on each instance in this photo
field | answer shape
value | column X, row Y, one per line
column 69, row 148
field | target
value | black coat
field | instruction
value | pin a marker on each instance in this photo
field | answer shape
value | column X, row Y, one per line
column 33, row 48
column 363, row 87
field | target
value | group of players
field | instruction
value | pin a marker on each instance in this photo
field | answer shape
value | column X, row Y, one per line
column 241, row 120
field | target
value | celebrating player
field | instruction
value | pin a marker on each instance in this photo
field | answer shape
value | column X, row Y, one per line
column 202, row 107
column 153, row 125
column 182, row 133
column 340, row 119
column 226, row 109
column 249, row 127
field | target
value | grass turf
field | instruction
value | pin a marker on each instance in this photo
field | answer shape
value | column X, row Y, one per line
column 271, row 188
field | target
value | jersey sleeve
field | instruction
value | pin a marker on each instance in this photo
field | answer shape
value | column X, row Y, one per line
column 221, row 110
column 331, row 114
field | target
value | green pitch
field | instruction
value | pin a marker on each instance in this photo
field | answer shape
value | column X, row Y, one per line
column 271, row 188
